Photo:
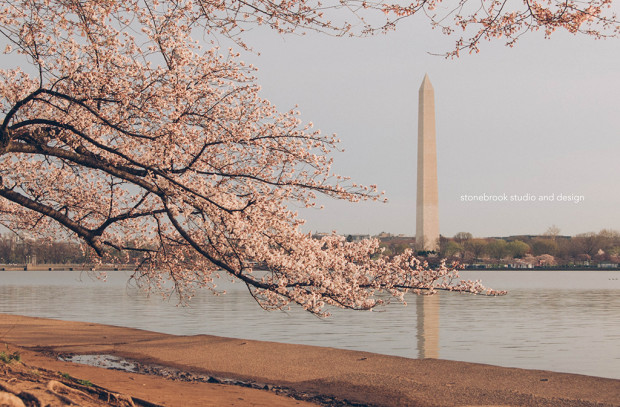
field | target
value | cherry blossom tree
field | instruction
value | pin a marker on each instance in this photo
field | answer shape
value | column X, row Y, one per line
column 125, row 131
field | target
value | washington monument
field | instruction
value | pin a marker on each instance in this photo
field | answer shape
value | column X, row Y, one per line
column 427, row 208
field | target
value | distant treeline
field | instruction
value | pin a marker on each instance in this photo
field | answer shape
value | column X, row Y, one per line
column 549, row 249
column 16, row 251
column 546, row 250
column 34, row 251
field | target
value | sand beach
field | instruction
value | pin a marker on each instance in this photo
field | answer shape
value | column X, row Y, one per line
column 215, row 371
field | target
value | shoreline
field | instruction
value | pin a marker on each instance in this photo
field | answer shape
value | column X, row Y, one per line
column 130, row 267
column 67, row 267
column 553, row 268
column 358, row 377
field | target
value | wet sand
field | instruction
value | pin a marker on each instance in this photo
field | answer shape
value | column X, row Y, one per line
column 359, row 378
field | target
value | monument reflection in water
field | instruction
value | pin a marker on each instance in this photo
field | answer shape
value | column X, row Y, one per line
column 427, row 310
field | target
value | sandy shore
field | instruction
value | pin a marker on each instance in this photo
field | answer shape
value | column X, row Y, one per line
column 359, row 378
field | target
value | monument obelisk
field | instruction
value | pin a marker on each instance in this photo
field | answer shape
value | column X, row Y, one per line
column 427, row 207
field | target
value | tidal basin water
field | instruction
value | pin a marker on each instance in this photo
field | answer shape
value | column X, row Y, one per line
column 565, row 321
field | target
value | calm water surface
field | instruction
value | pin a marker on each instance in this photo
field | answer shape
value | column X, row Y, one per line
column 552, row 320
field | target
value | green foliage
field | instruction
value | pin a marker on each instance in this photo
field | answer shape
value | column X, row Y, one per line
column 476, row 247
column 498, row 249
column 518, row 249
column 6, row 357
column 451, row 248
column 67, row 376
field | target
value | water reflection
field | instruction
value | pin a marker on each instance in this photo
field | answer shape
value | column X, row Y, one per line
column 427, row 312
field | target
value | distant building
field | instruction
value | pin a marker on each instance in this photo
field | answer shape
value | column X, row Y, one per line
column 521, row 264
column 608, row 265
column 357, row 238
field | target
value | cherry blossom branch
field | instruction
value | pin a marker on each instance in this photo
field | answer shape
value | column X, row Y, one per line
column 133, row 136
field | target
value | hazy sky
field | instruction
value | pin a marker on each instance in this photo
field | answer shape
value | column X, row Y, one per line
column 542, row 118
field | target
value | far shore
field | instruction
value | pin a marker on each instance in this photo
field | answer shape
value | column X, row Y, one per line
column 131, row 267
column 323, row 376
column 67, row 267
column 553, row 268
